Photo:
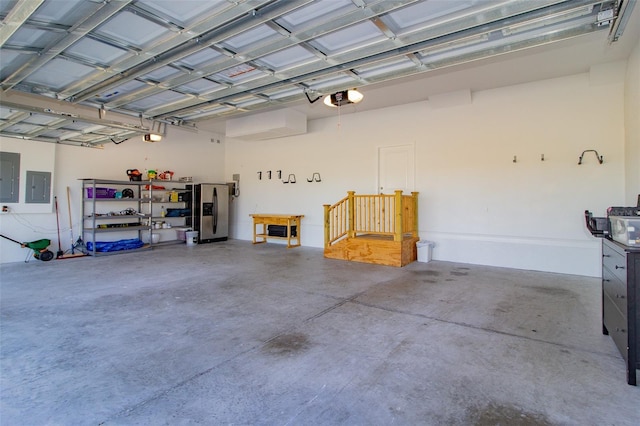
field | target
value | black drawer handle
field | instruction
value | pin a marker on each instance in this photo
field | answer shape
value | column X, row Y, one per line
column 621, row 330
column 606, row 255
column 606, row 280
column 619, row 267
column 619, row 296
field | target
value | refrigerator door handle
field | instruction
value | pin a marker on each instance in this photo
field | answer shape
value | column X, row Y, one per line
column 215, row 210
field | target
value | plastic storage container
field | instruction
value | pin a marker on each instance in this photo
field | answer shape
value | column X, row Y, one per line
column 102, row 193
column 625, row 230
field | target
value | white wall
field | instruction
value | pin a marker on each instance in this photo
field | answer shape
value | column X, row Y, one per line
column 632, row 127
column 475, row 203
column 186, row 153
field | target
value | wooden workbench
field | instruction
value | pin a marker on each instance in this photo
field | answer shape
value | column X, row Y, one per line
column 276, row 219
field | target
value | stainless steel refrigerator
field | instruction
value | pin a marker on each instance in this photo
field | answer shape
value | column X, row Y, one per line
column 210, row 207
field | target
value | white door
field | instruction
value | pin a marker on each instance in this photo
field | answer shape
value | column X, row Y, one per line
column 396, row 169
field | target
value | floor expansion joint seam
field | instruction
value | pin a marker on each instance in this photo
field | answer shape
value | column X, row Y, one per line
column 485, row 329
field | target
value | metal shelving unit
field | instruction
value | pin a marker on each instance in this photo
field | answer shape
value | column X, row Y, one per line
column 99, row 215
column 132, row 214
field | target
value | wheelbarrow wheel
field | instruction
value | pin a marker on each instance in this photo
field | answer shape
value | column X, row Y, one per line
column 45, row 255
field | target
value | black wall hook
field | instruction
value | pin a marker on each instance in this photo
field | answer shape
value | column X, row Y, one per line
column 315, row 178
column 259, row 175
column 598, row 156
column 269, row 174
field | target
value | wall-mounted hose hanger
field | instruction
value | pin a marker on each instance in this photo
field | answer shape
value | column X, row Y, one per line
column 290, row 179
column 315, row 178
column 259, row 175
column 598, row 156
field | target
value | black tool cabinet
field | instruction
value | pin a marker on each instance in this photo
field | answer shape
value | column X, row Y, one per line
column 621, row 301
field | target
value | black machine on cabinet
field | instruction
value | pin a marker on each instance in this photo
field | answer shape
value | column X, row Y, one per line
column 210, row 207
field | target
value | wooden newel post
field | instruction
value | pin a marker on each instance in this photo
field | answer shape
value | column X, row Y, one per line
column 415, row 214
column 397, row 235
column 327, row 225
column 352, row 214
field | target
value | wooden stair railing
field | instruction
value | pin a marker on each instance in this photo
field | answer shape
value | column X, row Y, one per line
column 355, row 215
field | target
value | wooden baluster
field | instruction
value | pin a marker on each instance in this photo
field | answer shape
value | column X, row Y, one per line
column 397, row 234
column 351, row 211
column 327, row 225
column 415, row 214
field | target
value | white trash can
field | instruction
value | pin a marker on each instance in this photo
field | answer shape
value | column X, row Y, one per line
column 424, row 250
column 192, row 238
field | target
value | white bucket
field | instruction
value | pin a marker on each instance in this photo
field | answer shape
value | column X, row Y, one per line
column 192, row 238
column 424, row 250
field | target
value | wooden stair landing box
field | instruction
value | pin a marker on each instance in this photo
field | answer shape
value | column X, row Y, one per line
column 288, row 220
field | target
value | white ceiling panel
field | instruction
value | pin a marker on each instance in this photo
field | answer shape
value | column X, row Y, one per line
column 419, row 14
column 41, row 119
column 317, row 10
column 22, row 127
column 185, row 12
column 200, row 59
column 287, row 58
column 10, row 61
column 5, row 112
column 285, row 93
column 200, row 87
column 96, row 51
column 240, row 73
column 118, row 91
column 59, row 73
column 162, row 73
column 259, row 34
column 353, row 37
column 132, row 29
column 385, row 68
column 64, row 12
column 333, row 81
column 157, row 100
column 32, row 38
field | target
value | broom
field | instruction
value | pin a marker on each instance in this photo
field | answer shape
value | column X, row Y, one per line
column 73, row 244
column 60, row 252
column 70, row 222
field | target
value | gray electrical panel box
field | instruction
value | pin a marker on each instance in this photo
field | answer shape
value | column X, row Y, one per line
column 9, row 177
column 38, row 188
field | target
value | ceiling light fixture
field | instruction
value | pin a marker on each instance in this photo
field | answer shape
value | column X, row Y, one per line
column 155, row 132
column 152, row 137
column 343, row 98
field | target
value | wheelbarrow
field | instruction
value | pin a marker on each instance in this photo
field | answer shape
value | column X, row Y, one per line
column 39, row 248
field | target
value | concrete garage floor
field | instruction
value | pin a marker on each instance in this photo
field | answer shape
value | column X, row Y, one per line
column 231, row 333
